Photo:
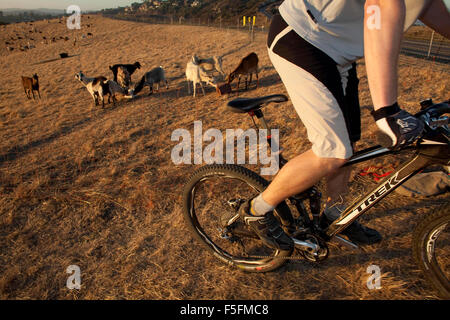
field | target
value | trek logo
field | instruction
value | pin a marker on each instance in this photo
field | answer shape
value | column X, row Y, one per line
column 377, row 194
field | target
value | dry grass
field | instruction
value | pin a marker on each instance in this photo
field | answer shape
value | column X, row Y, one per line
column 424, row 33
column 97, row 188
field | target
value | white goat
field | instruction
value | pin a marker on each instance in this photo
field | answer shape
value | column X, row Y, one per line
column 154, row 76
column 210, row 64
column 97, row 87
column 196, row 74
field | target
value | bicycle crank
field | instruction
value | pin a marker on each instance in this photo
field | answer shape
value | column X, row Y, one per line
column 307, row 246
column 320, row 251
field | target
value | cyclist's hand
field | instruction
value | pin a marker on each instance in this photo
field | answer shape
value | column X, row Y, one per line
column 401, row 127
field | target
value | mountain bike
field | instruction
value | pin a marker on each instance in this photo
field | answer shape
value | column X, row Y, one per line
column 213, row 194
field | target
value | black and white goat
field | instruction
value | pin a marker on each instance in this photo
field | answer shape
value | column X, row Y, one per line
column 98, row 87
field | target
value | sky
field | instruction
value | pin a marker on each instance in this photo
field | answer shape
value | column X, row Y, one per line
column 83, row 4
column 63, row 4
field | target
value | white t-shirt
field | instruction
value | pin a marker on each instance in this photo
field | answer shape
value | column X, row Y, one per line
column 337, row 26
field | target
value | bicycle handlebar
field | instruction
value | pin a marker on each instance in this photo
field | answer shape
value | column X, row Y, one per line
column 436, row 110
column 431, row 118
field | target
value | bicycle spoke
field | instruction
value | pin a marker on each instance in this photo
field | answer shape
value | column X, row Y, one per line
column 212, row 209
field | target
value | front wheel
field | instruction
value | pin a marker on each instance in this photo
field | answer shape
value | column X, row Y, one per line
column 431, row 248
column 211, row 200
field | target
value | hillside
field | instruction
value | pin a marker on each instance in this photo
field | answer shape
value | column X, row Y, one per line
column 225, row 10
column 81, row 185
column 12, row 15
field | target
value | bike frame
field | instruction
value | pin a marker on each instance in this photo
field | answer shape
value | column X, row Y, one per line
column 426, row 153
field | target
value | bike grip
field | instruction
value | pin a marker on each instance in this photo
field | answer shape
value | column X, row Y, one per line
column 384, row 140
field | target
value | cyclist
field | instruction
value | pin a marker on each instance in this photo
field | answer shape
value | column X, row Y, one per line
column 313, row 45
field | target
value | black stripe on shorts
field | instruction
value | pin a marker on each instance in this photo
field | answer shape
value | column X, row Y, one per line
column 300, row 52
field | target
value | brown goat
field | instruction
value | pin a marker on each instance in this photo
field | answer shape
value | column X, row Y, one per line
column 248, row 65
column 123, row 77
column 30, row 85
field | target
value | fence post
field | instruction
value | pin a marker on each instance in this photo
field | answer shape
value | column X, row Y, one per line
column 431, row 44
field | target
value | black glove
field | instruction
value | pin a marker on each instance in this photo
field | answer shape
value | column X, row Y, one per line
column 400, row 126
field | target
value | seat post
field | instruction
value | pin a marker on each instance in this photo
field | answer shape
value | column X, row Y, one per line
column 258, row 113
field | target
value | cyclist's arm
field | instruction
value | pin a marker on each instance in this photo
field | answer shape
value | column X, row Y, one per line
column 437, row 17
column 382, row 41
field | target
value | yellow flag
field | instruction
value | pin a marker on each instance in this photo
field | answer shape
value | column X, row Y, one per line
column 243, row 21
column 254, row 20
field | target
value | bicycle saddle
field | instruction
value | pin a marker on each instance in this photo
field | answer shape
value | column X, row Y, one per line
column 241, row 105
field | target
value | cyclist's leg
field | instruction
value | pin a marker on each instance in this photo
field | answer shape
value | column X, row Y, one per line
column 337, row 185
column 315, row 87
column 327, row 103
column 337, row 182
column 325, row 124
column 299, row 174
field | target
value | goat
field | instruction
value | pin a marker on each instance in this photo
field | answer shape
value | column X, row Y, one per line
column 30, row 85
column 196, row 74
column 97, row 87
column 155, row 75
column 115, row 89
column 210, row 64
column 123, row 77
column 248, row 65
column 131, row 68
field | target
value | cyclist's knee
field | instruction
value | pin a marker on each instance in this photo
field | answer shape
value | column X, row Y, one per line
column 335, row 157
column 331, row 164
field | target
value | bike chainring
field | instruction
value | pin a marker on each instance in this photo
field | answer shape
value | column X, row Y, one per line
column 228, row 221
column 318, row 256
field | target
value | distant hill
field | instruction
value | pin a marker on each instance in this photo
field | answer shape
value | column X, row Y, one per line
column 11, row 15
column 212, row 10
column 39, row 11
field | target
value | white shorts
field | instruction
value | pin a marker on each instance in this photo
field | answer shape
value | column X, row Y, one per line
column 314, row 91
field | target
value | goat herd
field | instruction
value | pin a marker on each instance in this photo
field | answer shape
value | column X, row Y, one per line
column 197, row 71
